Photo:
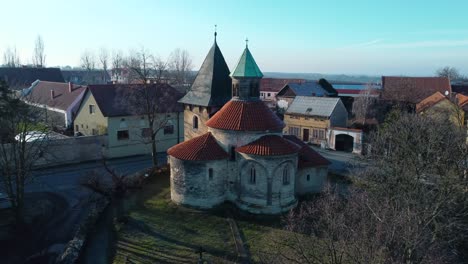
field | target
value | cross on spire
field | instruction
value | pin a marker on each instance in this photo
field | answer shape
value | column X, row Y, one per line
column 216, row 31
column 246, row 42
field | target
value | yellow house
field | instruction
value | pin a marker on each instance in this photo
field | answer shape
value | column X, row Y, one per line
column 103, row 111
column 437, row 104
column 311, row 118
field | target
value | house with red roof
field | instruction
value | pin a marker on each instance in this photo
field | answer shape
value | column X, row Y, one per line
column 236, row 150
column 412, row 90
column 449, row 107
column 59, row 100
column 105, row 110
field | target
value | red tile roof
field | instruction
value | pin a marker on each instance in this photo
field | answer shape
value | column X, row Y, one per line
column 270, row 145
column 203, row 147
column 41, row 93
column 245, row 116
column 462, row 100
column 276, row 84
column 413, row 89
column 430, row 101
column 307, row 156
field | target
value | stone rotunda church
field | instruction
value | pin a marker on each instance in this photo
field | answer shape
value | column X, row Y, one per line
column 234, row 148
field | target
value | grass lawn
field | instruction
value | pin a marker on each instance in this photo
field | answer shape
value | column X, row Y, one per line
column 158, row 231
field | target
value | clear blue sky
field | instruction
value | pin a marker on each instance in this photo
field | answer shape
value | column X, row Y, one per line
column 408, row 37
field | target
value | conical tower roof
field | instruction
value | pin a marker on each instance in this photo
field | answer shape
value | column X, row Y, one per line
column 212, row 86
column 247, row 67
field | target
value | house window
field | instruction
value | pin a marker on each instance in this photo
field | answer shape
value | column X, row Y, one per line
column 123, row 123
column 94, row 132
column 308, row 177
column 286, row 175
column 253, row 175
column 295, row 131
column 82, row 126
column 77, row 128
column 169, row 129
column 315, row 133
column 321, row 134
column 122, row 135
column 92, row 109
column 235, row 89
column 146, row 132
column 269, row 94
column 142, row 121
column 195, row 122
column 210, row 174
column 233, row 153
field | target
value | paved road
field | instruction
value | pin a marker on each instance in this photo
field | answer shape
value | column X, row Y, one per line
column 342, row 162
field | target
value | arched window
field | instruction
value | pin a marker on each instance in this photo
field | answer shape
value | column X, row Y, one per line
column 286, row 175
column 210, row 174
column 233, row 153
column 253, row 175
column 308, row 177
column 195, row 122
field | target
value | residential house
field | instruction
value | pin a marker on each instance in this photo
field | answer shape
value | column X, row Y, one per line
column 310, row 88
column 104, row 111
column 60, row 100
column 412, row 90
column 269, row 87
column 21, row 78
column 310, row 118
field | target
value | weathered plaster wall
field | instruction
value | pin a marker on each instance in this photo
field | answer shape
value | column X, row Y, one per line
column 268, row 195
column 191, row 185
column 317, row 179
column 203, row 116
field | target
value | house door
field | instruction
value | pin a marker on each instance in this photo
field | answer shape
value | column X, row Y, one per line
column 305, row 134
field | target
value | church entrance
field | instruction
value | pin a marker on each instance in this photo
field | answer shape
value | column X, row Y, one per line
column 305, row 135
column 344, row 142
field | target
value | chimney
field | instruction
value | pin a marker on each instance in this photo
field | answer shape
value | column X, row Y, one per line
column 52, row 94
column 70, row 87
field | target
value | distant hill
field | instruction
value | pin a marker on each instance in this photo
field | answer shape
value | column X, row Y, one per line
column 332, row 78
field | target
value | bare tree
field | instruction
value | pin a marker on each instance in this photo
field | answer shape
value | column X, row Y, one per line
column 88, row 61
column 11, row 58
column 409, row 206
column 160, row 69
column 39, row 54
column 365, row 106
column 19, row 147
column 117, row 62
column 181, row 65
column 139, row 64
column 450, row 72
column 104, row 60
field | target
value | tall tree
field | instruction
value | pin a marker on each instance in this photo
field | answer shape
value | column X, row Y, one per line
column 104, row 60
column 117, row 62
column 181, row 64
column 19, row 148
column 39, row 54
column 88, row 60
column 450, row 72
column 11, row 58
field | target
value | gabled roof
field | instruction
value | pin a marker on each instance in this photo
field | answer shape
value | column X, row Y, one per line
column 310, row 88
column 199, row 148
column 276, row 84
column 247, row 67
column 212, row 86
column 270, row 145
column 245, row 116
column 111, row 98
column 313, row 106
column 41, row 93
column 462, row 100
column 307, row 156
column 413, row 89
column 21, row 78
column 430, row 101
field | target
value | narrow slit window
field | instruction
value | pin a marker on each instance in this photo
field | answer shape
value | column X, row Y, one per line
column 253, row 175
column 210, row 174
column 286, row 175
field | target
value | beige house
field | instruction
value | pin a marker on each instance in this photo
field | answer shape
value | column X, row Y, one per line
column 102, row 112
column 311, row 118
